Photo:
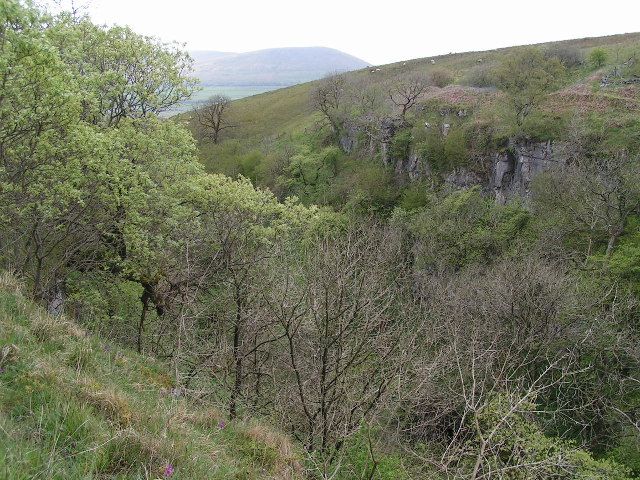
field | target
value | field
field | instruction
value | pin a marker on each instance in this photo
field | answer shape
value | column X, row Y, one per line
column 233, row 92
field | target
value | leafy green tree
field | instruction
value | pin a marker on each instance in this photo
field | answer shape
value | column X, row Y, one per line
column 121, row 74
column 464, row 228
column 527, row 76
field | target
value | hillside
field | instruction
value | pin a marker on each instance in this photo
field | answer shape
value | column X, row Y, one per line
column 459, row 109
column 74, row 406
column 273, row 66
column 424, row 270
column 281, row 111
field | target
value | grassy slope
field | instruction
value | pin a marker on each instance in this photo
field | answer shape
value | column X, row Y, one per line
column 74, row 407
column 288, row 110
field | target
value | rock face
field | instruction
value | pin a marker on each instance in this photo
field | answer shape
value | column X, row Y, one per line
column 514, row 170
column 388, row 129
column 413, row 167
column 510, row 172
column 349, row 138
column 463, row 178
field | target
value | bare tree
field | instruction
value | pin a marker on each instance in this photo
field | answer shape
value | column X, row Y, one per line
column 340, row 313
column 406, row 93
column 592, row 199
column 212, row 117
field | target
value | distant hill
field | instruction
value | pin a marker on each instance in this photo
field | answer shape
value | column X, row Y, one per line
column 273, row 66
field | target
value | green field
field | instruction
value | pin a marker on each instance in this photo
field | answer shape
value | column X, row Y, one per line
column 233, row 92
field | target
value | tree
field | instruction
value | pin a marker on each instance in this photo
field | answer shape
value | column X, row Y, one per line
column 212, row 116
column 121, row 74
column 589, row 203
column 328, row 98
column 526, row 76
column 339, row 307
column 405, row 94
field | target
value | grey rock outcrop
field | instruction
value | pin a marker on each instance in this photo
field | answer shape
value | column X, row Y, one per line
column 463, row 178
column 349, row 137
column 514, row 170
column 388, row 129
column 414, row 167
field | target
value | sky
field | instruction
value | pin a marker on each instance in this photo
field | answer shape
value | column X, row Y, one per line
column 376, row 31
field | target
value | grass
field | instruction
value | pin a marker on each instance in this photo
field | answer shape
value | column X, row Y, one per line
column 74, row 407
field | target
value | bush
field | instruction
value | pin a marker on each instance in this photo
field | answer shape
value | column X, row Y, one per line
column 455, row 149
column 445, row 154
column 569, row 56
column 415, row 196
column 598, row 57
column 480, row 76
column 358, row 462
column 441, row 77
column 432, row 151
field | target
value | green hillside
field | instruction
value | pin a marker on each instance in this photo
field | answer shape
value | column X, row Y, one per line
column 276, row 112
column 73, row 406
column 425, row 270
column 460, row 91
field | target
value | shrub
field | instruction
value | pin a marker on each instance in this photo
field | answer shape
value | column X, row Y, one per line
column 569, row 56
column 480, row 76
column 415, row 196
column 432, row 150
column 359, row 457
column 455, row 149
column 400, row 145
column 598, row 57
column 441, row 77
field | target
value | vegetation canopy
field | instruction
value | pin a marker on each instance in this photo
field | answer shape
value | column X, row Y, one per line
column 429, row 269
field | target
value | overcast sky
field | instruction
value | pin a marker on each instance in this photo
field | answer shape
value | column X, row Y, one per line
column 376, row 31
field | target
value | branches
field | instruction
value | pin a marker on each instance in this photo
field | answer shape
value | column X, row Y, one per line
column 212, row 117
column 405, row 94
column 328, row 99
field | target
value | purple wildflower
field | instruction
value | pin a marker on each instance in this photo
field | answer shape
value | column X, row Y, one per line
column 168, row 471
column 222, row 424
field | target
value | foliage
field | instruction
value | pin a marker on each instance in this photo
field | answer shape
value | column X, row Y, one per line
column 570, row 57
column 480, row 76
column 499, row 337
column 506, row 442
column 463, row 228
column 444, row 154
column 526, row 76
column 400, row 146
column 598, row 57
column 362, row 460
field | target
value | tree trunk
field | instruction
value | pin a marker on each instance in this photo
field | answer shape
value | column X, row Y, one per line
column 237, row 357
column 613, row 238
column 144, row 298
